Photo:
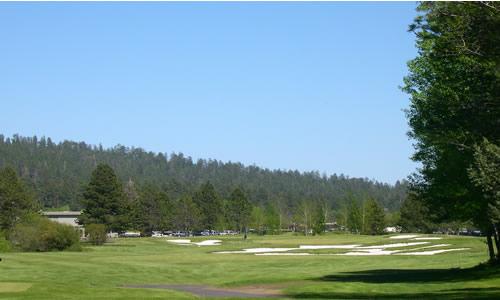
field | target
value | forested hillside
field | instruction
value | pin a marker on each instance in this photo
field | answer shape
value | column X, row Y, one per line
column 57, row 172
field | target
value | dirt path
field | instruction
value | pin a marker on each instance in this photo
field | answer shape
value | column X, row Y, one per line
column 207, row 291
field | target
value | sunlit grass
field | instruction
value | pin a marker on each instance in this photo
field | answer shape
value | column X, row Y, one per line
column 101, row 272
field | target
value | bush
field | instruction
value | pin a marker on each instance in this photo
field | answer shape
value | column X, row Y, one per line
column 96, row 233
column 38, row 233
column 4, row 244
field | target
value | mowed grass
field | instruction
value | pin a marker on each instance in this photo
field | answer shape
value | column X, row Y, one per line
column 102, row 272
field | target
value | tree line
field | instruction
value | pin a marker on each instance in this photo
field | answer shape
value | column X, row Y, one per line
column 148, row 208
column 57, row 173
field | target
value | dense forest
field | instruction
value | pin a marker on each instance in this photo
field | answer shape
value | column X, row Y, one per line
column 57, row 172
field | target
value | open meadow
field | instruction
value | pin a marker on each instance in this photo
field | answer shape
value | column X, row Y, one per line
column 144, row 268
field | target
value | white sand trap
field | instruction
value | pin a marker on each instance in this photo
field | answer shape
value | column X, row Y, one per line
column 209, row 243
column 180, row 241
column 371, row 252
column 427, row 238
column 427, row 247
column 403, row 236
column 202, row 243
column 312, row 247
column 396, row 245
column 257, row 250
column 432, row 252
column 284, row 254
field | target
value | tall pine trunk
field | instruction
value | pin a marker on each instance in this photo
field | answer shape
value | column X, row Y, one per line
column 497, row 240
column 491, row 250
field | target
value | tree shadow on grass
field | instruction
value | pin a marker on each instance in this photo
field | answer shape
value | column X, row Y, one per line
column 473, row 293
column 416, row 276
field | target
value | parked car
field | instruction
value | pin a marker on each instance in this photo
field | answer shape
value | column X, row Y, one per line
column 157, row 234
column 180, row 234
column 130, row 234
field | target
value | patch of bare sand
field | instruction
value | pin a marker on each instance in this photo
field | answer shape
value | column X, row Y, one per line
column 14, row 287
column 251, row 291
column 432, row 252
column 403, row 236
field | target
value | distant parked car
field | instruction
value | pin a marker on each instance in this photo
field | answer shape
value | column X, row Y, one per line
column 157, row 234
column 228, row 232
column 131, row 234
column 210, row 232
column 112, row 235
column 180, row 234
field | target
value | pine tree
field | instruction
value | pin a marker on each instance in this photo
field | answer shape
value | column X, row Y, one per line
column 155, row 209
column 415, row 216
column 210, row 206
column 354, row 217
column 104, row 200
column 239, row 210
column 374, row 219
column 15, row 200
column 318, row 219
column 187, row 214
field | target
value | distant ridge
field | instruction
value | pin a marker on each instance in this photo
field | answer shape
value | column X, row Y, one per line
column 56, row 173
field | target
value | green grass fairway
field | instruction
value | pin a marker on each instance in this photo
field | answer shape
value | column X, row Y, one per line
column 102, row 272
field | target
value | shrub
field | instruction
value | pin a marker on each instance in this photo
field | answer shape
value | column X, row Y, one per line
column 96, row 233
column 38, row 233
column 4, row 244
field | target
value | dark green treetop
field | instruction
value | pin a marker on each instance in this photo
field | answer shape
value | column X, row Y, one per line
column 104, row 200
column 210, row 205
column 239, row 210
column 15, row 200
column 374, row 222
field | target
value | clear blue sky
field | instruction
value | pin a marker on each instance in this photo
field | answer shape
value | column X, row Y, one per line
column 280, row 85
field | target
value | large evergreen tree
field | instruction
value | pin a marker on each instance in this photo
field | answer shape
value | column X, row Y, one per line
column 454, row 86
column 239, row 211
column 15, row 200
column 374, row 222
column 104, row 200
column 354, row 217
column 415, row 216
column 187, row 214
column 155, row 209
column 210, row 206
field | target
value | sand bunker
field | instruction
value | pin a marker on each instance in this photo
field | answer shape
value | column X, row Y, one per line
column 180, row 241
column 311, row 247
column 371, row 252
column 301, row 247
column 356, row 249
column 284, row 254
column 426, row 247
column 396, row 245
column 257, row 250
column 432, row 252
column 403, row 236
column 209, row 243
column 202, row 243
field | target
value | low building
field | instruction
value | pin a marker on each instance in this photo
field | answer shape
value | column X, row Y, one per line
column 67, row 218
